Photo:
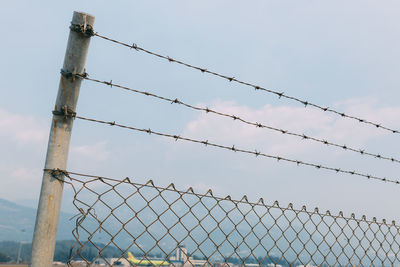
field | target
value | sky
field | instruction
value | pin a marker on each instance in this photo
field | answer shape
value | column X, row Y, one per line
column 341, row 54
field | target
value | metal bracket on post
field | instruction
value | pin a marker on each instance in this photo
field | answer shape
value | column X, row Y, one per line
column 44, row 238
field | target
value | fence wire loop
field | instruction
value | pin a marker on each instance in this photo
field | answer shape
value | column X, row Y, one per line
column 85, row 29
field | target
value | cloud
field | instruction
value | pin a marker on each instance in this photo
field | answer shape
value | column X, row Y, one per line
column 27, row 174
column 22, row 129
column 301, row 120
column 96, row 152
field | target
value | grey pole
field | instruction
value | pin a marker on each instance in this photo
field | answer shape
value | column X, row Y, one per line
column 44, row 237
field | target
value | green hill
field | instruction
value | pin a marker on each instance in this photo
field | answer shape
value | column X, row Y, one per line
column 17, row 223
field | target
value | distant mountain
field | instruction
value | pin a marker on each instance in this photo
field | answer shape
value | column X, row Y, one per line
column 61, row 253
column 17, row 222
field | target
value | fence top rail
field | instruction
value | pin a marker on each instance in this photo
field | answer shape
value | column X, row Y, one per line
column 89, row 178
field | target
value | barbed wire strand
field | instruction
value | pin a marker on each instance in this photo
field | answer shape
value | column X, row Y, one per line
column 256, row 87
column 233, row 148
column 238, row 118
column 209, row 194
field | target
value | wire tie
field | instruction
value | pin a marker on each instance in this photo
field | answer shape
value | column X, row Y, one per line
column 256, row 87
column 190, row 189
column 207, row 110
column 233, row 148
column 258, row 125
column 325, row 109
column 175, row 101
column 344, row 147
column 318, row 166
column 112, row 123
column 171, row 59
column 352, row 172
column 280, row 94
column 171, row 185
column 305, row 136
column 149, row 131
column 325, row 142
column 278, row 158
column 298, row 163
column 205, row 142
column 150, row 182
column 209, row 192
column 337, row 170
column 176, row 137
column 257, row 153
column 203, row 70
column 305, row 103
column 378, row 156
column 377, row 125
column 234, row 117
column 361, row 151
column 328, row 212
column 231, row 78
column 342, row 114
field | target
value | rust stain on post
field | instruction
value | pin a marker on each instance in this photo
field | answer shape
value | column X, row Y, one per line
column 54, row 126
column 62, row 83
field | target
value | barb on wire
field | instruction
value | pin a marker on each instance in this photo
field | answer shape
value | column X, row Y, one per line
column 256, row 87
column 235, row 149
column 239, row 119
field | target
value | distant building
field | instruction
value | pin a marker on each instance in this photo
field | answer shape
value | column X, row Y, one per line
column 182, row 259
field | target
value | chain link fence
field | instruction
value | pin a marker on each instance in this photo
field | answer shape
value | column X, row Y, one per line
column 120, row 222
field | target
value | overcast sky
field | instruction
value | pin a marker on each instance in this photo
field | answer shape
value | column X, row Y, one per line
column 341, row 54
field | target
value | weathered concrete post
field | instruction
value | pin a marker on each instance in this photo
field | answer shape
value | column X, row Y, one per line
column 44, row 237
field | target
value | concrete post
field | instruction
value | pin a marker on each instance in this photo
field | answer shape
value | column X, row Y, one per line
column 44, row 237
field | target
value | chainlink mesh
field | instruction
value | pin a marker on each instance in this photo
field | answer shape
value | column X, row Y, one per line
column 166, row 226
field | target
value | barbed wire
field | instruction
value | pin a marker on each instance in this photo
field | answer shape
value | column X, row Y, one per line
column 256, row 87
column 234, row 149
column 238, row 118
column 209, row 194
